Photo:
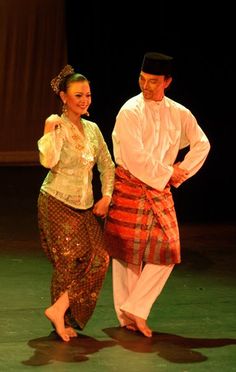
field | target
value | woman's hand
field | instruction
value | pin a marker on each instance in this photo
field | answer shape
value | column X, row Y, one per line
column 101, row 207
column 51, row 123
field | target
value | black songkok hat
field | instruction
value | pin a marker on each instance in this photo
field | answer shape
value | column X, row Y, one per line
column 157, row 64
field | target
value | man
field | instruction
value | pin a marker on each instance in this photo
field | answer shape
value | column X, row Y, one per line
column 141, row 229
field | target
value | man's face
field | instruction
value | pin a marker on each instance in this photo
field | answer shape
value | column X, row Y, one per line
column 153, row 86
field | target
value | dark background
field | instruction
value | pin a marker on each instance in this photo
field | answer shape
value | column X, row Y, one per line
column 107, row 42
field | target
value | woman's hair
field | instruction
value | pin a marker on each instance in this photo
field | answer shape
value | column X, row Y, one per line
column 66, row 76
column 72, row 78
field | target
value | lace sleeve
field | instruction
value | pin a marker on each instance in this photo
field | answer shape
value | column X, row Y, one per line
column 50, row 145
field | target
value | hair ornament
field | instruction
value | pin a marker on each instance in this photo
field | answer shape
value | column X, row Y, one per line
column 56, row 81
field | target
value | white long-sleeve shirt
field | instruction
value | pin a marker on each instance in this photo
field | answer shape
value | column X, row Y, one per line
column 148, row 135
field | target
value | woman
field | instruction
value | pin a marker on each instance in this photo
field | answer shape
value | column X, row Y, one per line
column 70, row 234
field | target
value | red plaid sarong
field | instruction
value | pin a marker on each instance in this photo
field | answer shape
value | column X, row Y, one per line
column 141, row 224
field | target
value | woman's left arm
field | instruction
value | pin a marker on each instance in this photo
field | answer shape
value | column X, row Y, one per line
column 106, row 168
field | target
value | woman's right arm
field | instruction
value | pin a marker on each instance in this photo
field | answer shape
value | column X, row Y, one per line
column 50, row 144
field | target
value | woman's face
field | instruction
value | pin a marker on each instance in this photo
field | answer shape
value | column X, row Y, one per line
column 77, row 98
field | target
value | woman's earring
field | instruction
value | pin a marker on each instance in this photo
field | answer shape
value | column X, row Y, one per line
column 64, row 108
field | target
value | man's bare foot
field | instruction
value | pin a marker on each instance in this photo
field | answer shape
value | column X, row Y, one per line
column 71, row 332
column 140, row 324
column 58, row 322
column 131, row 327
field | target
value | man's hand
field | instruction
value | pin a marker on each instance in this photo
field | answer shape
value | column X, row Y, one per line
column 179, row 175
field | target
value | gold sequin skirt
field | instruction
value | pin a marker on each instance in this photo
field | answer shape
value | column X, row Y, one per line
column 73, row 242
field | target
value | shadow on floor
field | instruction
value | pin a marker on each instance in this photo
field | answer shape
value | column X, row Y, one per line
column 51, row 348
column 174, row 348
column 171, row 347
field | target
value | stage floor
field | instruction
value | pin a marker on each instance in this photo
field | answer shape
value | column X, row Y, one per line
column 194, row 319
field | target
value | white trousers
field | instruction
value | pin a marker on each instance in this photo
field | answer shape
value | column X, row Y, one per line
column 135, row 289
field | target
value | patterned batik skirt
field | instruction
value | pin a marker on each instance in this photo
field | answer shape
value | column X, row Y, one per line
column 141, row 225
column 74, row 243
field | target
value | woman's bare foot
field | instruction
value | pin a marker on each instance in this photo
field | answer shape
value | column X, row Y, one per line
column 140, row 324
column 71, row 332
column 58, row 322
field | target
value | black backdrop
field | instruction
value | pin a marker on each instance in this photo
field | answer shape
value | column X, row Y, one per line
column 107, row 42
